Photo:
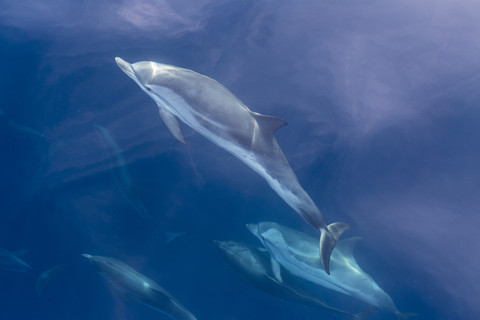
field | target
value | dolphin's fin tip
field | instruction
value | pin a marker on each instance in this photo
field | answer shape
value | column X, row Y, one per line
column 269, row 123
column 276, row 269
column 328, row 239
column 172, row 124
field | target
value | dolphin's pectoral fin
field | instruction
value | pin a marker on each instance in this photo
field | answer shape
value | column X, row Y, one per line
column 172, row 124
column 269, row 124
column 328, row 239
column 276, row 269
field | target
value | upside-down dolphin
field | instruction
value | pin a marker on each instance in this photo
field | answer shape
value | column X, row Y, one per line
column 254, row 265
column 296, row 252
column 213, row 111
column 134, row 284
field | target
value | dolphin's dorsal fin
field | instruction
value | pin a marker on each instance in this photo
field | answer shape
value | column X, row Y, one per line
column 172, row 124
column 347, row 246
column 268, row 123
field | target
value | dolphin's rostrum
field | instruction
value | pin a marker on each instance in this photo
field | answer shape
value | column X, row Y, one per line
column 213, row 111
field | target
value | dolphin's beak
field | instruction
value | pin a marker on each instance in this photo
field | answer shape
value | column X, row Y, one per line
column 126, row 67
column 217, row 243
column 253, row 228
column 88, row 256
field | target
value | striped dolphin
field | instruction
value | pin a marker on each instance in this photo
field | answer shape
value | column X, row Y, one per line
column 213, row 111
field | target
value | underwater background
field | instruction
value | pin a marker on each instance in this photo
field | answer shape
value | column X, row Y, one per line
column 382, row 100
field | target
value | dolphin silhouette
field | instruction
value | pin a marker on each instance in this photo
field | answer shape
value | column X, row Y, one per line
column 11, row 261
column 47, row 276
column 296, row 252
column 120, row 173
column 213, row 111
column 134, row 284
column 254, row 265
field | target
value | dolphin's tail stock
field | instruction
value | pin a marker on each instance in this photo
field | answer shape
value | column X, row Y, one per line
column 406, row 315
column 328, row 240
column 364, row 314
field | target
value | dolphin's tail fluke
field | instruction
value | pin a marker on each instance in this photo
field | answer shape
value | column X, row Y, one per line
column 406, row 315
column 364, row 314
column 328, row 240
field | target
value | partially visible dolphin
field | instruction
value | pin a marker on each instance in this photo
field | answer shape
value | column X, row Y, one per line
column 296, row 252
column 210, row 109
column 253, row 264
column 20, row 127
column 120, row 173
column 170, row 236
column 46, row 277
column 28, row 130
column 136, row 285
column 11, row 261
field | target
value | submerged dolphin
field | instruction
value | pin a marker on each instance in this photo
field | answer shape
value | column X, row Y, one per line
column 46, row 277
column 254, row 265
column 120, row 173
column 12, row 123
column 297, row 253
column 11, row 261
column 210, row 109
column 136, row 285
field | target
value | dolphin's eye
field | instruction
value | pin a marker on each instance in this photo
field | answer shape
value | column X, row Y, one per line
column 148, row 88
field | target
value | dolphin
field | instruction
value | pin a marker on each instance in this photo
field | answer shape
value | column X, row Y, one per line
column 46, row 277
column 136, row 285
column 26, row 129
column 213, row 111
column 121, row 174
column 11, row 261
column 253, row 264
column 296, row 252
column 170, row 236
column 12, row 123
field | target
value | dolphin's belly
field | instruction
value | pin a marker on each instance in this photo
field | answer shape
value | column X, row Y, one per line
column 230, row 123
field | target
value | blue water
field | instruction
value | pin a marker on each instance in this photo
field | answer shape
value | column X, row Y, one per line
column 382, row 103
